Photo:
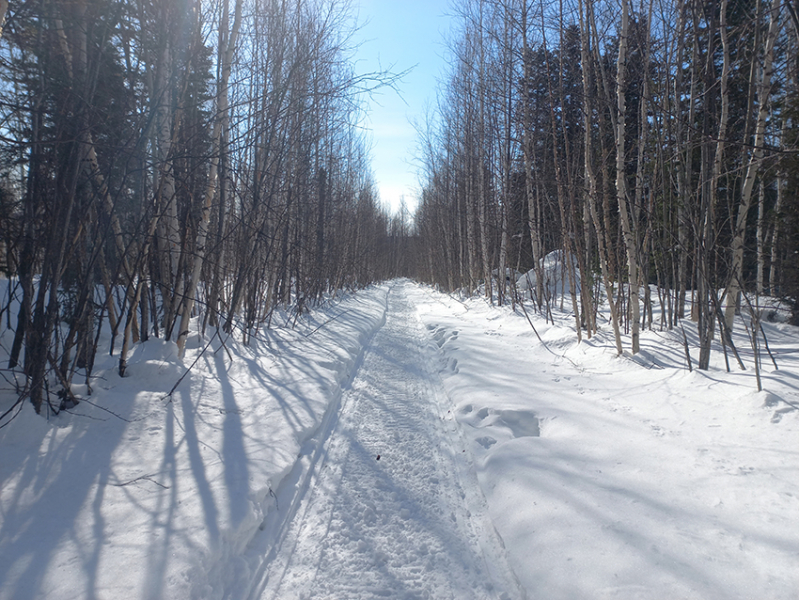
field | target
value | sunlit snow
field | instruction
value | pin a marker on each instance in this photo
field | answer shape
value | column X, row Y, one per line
column 507, row 468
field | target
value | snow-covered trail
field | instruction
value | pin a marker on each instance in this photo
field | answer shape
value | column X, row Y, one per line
column 607, row 477
column 392, row 511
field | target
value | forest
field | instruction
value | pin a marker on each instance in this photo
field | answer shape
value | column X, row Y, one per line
column 169, row 158
column 654, row 143
column 163, row 160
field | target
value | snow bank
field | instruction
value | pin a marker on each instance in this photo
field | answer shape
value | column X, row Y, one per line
column 625, row 477
column 137, row 495
column 554, row 273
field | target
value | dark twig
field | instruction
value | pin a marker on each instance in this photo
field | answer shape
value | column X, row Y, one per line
column 687, row 350
column 765, row 342
column 341, row 314
column 110, row 412
column 143, row 477
column 13, row 406
column 182, row 377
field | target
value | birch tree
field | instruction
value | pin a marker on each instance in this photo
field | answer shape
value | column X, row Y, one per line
column 763, row 84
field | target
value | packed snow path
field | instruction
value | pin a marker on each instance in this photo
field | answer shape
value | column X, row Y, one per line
column 392, row 511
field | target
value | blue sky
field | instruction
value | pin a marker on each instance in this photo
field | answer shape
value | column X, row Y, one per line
column 400, row 34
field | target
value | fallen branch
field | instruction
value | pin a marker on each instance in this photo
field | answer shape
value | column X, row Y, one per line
column 110, row 412
column 326, row 323
column 182, row 377
column 13, row 406
column 143, row 477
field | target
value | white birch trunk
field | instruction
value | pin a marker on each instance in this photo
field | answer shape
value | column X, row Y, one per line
column 3, row 10
column 621, row 184
column 739, row 237
column 219, row 123
column 586, row 20
column 761, row 255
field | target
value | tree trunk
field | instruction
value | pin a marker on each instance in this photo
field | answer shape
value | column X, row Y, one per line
column 628, row 229
column 3, row 10
column 586, row 21
column 739, row 236
column 226, row 49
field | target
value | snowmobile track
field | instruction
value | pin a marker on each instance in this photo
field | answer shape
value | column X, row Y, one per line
column 382, row 503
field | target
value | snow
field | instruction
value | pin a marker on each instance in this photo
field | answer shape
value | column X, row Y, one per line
column 626, row 478
column 508, row 468
column 554, row 273
column 161, row 498
column 388, row 515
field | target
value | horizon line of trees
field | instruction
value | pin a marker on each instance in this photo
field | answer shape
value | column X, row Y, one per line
column 657, row 144
column 165, row 159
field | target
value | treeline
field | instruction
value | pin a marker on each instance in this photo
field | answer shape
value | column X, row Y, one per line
column 163, row 159
column 655, row 143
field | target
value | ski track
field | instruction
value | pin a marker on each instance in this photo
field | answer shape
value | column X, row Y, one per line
column 410, row 525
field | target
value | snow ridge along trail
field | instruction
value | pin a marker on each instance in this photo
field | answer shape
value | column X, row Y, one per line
column 408, row 525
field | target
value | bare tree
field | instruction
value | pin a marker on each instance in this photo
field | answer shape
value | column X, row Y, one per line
column 763, row 84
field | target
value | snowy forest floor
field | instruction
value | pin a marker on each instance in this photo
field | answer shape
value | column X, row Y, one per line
column 508, row 468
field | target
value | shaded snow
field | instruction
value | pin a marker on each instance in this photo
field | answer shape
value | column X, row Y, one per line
column 603, row 476
column 388, row 516
column 613, row 477
column 161, row 498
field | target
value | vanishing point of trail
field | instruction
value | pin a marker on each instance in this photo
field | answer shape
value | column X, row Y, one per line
column 409, row 525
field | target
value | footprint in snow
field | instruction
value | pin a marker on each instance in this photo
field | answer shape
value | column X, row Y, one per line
column 486, row 441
